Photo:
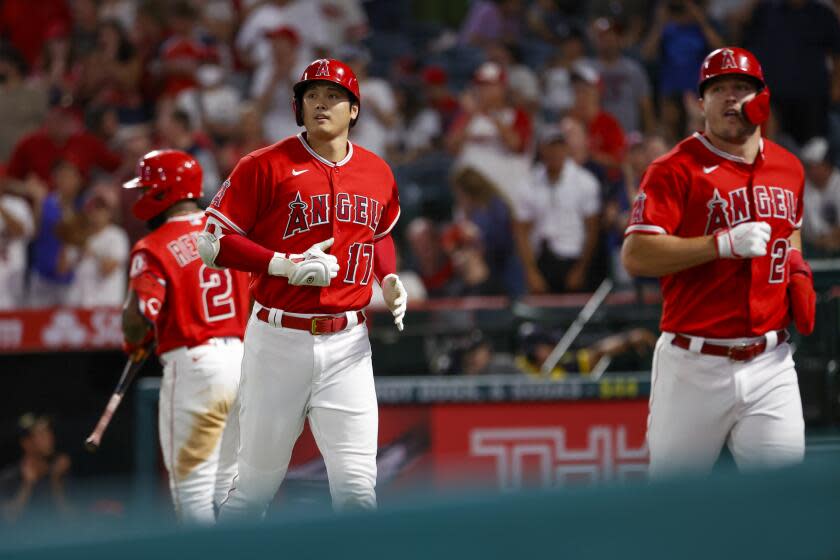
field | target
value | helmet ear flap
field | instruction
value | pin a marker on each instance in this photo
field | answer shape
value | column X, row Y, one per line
column 297, row 108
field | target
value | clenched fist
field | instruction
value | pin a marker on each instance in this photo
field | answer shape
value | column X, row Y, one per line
column 744, row 241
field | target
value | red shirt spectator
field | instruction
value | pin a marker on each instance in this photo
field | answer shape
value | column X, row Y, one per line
column 61, row 137
column 26, row 23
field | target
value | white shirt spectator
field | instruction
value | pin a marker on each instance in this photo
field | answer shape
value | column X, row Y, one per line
column 90, row 288
column 302, row 15
column 369, row 132
column 342, row 18
column 278, row 119
column 821, row 206
column 13, row 250
column 422, row 131
column 219, row 105
column 558, row 210
column 558, row 93
column 486, row 151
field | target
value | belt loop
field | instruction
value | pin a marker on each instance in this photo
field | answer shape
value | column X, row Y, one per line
column 695, row 344
column 352, row 319
column 275, row 317
column 772, row 339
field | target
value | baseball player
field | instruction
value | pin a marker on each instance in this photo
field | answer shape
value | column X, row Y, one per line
column 717, row 219
column 310, row 217
column 198, row 315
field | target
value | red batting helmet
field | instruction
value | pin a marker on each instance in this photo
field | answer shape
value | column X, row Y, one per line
column 167, row 177
column 330, row 70
column 738, row 62
column 730, row 60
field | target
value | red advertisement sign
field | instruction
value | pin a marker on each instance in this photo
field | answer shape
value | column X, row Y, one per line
column 507, row 446
column 60, row 329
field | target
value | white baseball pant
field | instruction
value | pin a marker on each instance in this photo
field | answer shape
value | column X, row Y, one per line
column 197, row 424
column 700, row 402
column 290, row 375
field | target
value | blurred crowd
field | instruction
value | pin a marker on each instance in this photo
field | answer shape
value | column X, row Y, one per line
column 518, row 130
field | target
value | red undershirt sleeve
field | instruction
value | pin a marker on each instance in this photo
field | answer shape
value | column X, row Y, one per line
column 384, row 257
column 240, row 253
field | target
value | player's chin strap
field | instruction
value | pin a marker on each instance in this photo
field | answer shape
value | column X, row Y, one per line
column 757, row 109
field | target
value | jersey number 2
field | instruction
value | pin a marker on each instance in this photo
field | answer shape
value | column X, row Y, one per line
column 217, row 293
column 778, row 260
column 357, row 251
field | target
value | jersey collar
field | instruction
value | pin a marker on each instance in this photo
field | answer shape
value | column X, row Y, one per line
column 326, row 162
column 727, row 155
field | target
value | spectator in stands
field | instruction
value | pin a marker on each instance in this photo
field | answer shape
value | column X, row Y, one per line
column 490, row 134
column 100, row 275
column 577, row 142
column 479, row 203
column 84, row 34
column 273, row 81
column 23, row 104
column 557, row 220
column 61, row 136
column 17, row 226
column 524, row 85
column 606, row 137
column 625, row 88
column 56, row 247
column 35, row 485
column 345, row 21
column 821, row 219
column 302, row 15
column 110, row 74
column 373, row 132
column 557, row 92
column 26, row 23
column 249, row 136
column 214, row 104
column 175, row 131
column 536, row 344
column 641, row 152
column 429, row 259
column 490, row 21
column 679, row 39
column 798, row 43
column 182, row 52
column 56, row 70
column 472, row 354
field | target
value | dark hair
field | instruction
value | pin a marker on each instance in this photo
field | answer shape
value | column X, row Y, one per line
column 125, row 49
column 183, row 118
column 10, row 54
column 183, row 9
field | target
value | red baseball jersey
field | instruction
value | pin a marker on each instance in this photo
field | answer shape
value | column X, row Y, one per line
column 696, row 190
column 286, row 198
column 187, row 301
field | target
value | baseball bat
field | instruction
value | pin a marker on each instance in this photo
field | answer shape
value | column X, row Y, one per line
column 573, row 331
column 132, row 366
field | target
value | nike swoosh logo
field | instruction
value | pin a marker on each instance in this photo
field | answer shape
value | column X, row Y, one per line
column 295, row 172
column 708, row 170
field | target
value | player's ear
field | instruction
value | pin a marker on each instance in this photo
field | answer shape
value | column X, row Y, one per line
column 354, row 110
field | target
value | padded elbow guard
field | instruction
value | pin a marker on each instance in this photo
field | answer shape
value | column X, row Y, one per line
column 208, row 248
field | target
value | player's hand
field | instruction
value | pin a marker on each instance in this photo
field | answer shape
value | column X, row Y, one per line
column 313, row 268
column 396, row 298
column 744, row 241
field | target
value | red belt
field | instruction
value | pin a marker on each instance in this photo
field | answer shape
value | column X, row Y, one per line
column 314, row 325
column 735, row 352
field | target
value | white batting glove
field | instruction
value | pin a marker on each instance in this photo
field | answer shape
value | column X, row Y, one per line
column 396, row 298
column 313, row 268
column 744, row 241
